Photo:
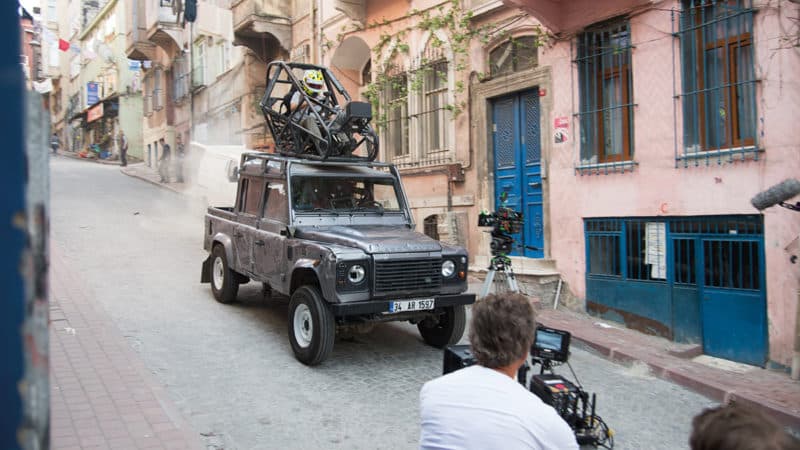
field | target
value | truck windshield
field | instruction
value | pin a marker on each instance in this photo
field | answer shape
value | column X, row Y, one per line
column 344, row 195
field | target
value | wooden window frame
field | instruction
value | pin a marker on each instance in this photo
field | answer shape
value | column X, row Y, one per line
column 730, row 79
column 611, row 73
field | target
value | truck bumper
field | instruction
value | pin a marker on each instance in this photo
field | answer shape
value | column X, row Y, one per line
column 382, row 306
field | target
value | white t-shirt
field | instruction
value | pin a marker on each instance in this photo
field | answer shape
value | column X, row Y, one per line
column 481, row 408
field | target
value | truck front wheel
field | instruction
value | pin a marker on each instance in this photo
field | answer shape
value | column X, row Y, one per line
column 311, row 326
column 223, row 279
column 447, row 330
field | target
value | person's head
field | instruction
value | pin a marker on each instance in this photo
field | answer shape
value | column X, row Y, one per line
column 178, row 138
column 313, row 82
column 502, row 329
column 161, row 141
column 737, row 427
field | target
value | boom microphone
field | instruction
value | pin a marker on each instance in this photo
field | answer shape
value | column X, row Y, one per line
column 781, row 192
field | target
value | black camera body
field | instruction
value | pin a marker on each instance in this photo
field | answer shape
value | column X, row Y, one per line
column 504, row 222
column 574, row 405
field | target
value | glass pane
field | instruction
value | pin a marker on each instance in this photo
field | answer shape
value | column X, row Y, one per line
column 501, row 60
column 745, row 93
column 525, row 53
column 612, row 118
column 716, row 108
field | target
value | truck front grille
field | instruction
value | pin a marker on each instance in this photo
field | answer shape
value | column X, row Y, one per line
column 408, row 276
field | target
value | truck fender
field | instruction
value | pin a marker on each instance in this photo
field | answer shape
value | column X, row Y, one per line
column 307, row 265
column 225, row 241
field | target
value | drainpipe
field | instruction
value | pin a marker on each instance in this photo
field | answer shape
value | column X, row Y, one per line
column 796, row 357
column 191, row 83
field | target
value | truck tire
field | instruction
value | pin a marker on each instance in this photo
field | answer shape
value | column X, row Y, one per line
column 311, row 326
column 224, row 284
column 448, row 330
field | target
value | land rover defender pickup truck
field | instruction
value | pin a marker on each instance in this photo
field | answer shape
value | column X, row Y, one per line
column 338, row 239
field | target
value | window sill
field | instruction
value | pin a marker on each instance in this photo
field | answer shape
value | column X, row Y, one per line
column 721, row 155
column 605, row 168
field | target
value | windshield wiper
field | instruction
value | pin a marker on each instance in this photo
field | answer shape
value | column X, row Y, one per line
column 375, row 209
column 317, row 210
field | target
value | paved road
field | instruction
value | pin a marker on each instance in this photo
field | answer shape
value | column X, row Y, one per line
column 230, row 369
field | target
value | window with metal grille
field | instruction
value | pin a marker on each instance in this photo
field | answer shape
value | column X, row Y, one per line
column 516, row 54
column 396, row 116
column 433, row 112
column 719, row 83
column 199, row 64
column 157, row 92
column 606, row 94
column 646, row 250
column 180, row 78
column 731, row 264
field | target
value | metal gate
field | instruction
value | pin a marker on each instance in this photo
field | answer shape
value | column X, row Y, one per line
column 691, row 279
column 517, row 165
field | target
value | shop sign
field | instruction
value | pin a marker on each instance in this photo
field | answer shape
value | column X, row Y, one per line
column 94, row 113
column 92, row 93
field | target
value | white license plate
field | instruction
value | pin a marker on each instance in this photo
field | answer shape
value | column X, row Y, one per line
column 419, row 304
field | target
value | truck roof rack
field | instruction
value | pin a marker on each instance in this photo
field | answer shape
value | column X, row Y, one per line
column 326, row 127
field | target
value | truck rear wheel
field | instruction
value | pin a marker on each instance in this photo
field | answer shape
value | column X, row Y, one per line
column 311, row 326
column 223, row 279
column 448, row 330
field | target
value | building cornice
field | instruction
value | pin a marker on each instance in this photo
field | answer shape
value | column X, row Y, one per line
column 97, row 19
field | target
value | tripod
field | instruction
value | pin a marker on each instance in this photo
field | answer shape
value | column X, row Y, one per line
column 501, row 274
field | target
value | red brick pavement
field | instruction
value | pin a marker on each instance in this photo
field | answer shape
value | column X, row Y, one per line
column 774, row 393
column 101, row 394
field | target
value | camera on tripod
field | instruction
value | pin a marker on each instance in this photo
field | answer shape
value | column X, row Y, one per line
column 504, row 222
column 550, row 348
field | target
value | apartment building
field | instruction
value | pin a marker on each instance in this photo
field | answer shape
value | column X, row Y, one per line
column 631, row 134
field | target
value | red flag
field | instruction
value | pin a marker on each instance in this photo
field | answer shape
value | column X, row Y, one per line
column 63, row 45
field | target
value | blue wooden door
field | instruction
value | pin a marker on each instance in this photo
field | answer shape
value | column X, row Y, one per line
column 517, row 166
column 733, row 300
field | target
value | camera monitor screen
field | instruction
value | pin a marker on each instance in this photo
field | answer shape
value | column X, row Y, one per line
column 550, row 343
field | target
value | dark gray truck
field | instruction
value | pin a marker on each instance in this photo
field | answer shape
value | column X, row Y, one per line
column 338, row 238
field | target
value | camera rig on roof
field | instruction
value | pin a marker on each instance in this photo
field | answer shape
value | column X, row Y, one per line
column 329, row 126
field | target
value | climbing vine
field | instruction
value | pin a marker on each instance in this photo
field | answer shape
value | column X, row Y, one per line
column 449, row 18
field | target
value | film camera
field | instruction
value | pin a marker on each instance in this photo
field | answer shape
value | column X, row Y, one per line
column 569, row 399
column 504, row 222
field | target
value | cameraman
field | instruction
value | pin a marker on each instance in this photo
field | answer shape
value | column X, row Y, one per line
column 483, row 406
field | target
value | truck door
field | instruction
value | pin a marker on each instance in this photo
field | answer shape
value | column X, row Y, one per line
column 270, row 238
column 249, row 210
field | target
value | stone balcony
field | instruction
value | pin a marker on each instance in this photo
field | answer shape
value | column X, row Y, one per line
column 263, row 26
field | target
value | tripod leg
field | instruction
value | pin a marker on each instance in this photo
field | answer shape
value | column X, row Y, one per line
column 512, row 281
column 500, row 282
column 487, row 283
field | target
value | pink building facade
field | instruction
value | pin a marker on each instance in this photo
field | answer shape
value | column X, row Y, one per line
column 632, row 139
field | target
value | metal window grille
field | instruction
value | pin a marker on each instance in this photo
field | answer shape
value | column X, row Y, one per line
column 718, row 79
column 645, row 250
column 157, row 91
column 180, row 79
column 433, row 117
column 515, row 55
column 396, row 118
column 603, row 238
column 606, row 95
column 199, row 64
column 730, row 249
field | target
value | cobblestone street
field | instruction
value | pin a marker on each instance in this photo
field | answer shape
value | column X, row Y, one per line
column 135, row 251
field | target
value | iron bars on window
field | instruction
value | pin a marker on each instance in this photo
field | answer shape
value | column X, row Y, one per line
column 606, row 97
column 718, row 96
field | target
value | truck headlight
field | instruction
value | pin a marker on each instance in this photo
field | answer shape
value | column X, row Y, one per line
column 448, row 268
column 356, row 274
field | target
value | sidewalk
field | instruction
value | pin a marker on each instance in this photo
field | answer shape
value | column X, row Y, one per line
column 772, row 392
column 101, row 394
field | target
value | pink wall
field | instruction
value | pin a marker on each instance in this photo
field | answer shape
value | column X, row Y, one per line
column 656, row 187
